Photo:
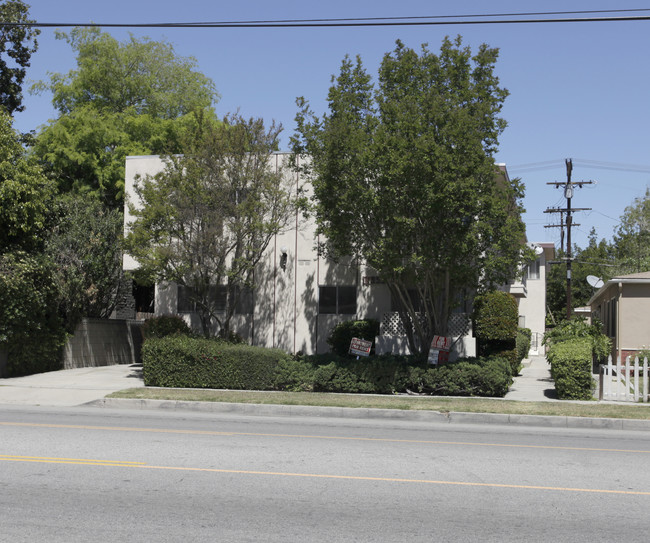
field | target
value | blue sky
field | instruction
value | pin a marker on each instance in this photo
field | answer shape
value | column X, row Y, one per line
column 578, row 90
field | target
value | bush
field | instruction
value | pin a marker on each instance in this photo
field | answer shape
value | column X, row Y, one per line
column 466, row 377
column 496, row 317
column 567, row 330
column 571, row 368
column 179, row 361
column 31, row 329
column 389, row 374
column 165, row 325
column 523, row 342
column 185, row 362
column 342, row 334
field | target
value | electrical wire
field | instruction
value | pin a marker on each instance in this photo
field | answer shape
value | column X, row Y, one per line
column 367, row 22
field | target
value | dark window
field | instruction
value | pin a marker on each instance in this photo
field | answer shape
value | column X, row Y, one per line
column 218, row 299
column 245, row 304
column 347, row 300
column 144, row 298
column 337, row 300
column 327, row 300
column 185, row 302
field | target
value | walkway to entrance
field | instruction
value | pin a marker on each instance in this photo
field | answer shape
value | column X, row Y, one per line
column 534, row 383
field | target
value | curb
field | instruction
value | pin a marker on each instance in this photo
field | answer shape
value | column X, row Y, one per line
column 545, row 421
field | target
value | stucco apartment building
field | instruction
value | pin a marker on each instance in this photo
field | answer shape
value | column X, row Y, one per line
column 301, row 295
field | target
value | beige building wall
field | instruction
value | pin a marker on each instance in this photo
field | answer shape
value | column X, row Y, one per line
column 634, row 311
column 286, row 300
column 623, row 306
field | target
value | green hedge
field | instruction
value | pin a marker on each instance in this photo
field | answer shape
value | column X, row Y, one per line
column 571, row 369
column 185, row 362
column 480, row 377
column 523, row 342
column 388, row 374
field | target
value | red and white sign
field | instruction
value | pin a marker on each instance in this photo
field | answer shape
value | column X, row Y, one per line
column 441, row 342
column 360, row 347
column 439, row 352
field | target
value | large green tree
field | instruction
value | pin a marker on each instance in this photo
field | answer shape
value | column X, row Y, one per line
column 404, row 178
column 124, row 98
column 17, row 44
column 206, row 219
column 25, row 193
column 632, row 238
column 84, row 243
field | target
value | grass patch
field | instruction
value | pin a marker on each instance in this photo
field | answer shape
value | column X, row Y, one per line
column 431, row 403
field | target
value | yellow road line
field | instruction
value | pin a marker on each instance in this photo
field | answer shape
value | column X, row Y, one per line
column 308, row 436
column 77, row 461
column 142, row 465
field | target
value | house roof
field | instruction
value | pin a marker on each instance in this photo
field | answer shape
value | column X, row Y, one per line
column 643, row 275
column 638, row 278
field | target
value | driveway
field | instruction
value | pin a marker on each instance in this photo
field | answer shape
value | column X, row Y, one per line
column 69, row 387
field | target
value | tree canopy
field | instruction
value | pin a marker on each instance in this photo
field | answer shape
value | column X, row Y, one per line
column 206, row 219
column 632, row 238
column 140, row 75
column 25, row 193
column 17, row 44
column 124, row 98
column 404, row 178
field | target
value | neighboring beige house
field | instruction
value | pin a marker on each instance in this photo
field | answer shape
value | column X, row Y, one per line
column 301, row 295
column 623, row 306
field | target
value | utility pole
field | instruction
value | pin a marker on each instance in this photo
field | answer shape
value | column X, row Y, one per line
column 568, row 194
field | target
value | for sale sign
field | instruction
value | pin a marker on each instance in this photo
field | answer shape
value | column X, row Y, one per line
column 441, row 343
column 360, row 347
column 439, row 352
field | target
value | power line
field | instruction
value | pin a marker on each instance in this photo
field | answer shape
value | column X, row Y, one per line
column 364, row 22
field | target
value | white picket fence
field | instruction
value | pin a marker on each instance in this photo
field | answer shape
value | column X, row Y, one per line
column 626, row 382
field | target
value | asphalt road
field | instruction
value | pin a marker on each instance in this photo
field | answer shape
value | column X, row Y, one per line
column 88, row 474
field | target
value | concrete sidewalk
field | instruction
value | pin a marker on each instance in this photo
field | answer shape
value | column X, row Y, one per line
column 69, row 387
column 534, row 383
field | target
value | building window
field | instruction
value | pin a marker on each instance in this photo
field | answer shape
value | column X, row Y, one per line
column 337, row 300
column 218, row 297
column 532, row 270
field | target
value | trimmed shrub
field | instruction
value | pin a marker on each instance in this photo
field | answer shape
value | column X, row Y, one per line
column 389, row 374
column 165, row 325
column 342, row 334
column 185, row 362
column 523, row 342
column 466, row 377
column 496, row 317
column 571, row 369
column 567, row 330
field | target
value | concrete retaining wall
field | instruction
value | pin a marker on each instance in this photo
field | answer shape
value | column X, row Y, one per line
column 104, row 342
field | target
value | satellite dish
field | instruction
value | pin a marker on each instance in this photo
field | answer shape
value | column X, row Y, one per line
column 539, row 250
column 594, row 281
